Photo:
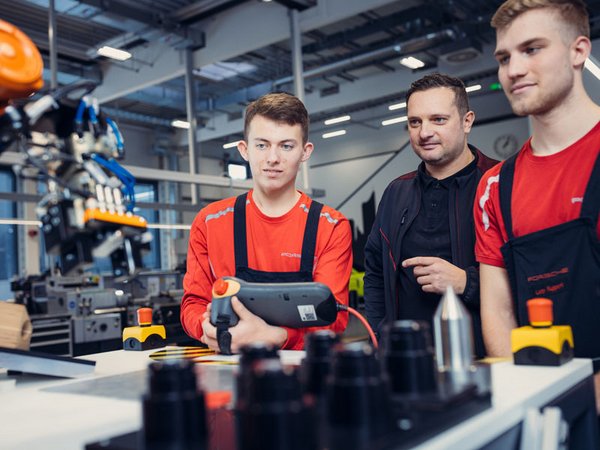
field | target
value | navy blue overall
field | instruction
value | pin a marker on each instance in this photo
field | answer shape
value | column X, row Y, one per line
column 245, row 273
column 561, row 263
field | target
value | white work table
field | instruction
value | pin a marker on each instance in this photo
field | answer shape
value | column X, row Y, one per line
column 32, row 417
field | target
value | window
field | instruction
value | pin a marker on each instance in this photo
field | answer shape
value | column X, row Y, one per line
column 8, row 235
column 147, row 192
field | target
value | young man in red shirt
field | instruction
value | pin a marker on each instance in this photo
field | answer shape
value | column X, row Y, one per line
column 536, row 214
column 274, row 233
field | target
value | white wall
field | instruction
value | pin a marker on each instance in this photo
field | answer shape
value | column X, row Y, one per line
column 139, row 145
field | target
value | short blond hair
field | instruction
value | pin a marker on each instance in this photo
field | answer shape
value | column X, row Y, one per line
column 572, row 12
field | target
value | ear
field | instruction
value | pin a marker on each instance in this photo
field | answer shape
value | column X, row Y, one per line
column 580, row 50
column 242, row 147
column 468, row 121
column 307, row 151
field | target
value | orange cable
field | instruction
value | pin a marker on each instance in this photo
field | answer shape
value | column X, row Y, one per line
column 360, row 317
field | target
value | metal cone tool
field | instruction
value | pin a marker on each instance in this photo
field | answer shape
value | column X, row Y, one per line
column 453, row 333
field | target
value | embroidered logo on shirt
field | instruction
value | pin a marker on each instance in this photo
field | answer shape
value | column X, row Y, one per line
column 577, row 200
column 290, row 255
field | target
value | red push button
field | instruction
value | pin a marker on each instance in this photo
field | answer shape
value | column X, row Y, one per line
column 540, row 311
column 220, row 286
column 144, row 316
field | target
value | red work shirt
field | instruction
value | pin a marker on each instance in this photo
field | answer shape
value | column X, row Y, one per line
column 274, row 245
column 547, row 191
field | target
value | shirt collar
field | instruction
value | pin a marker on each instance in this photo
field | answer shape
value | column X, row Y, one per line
column 427, row 180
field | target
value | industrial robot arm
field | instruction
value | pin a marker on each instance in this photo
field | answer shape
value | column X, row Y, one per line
column 72, row 147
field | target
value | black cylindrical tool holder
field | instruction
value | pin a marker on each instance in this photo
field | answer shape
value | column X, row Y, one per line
column 358, row 408
column 250, row 354
column 174, row 412
column 272, row 415
column 316, row 365
column 408, row 357
column 314, row 371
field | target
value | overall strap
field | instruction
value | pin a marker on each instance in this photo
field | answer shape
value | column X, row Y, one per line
column 239, row 231
column 309, row 241
column 505, row 186
column 591, row 198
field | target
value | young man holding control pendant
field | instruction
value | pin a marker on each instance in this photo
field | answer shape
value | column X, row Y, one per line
column 274, row 233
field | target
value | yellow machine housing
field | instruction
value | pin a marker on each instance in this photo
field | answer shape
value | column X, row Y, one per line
column 144, row 337
column 542, row 346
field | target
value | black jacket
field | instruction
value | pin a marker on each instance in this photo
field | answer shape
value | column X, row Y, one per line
column 397, row 209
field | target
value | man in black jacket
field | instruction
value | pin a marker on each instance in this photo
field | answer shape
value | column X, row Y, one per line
column 423, row 237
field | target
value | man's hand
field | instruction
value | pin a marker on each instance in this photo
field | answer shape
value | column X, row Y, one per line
column 250, row 328
column 436, row 274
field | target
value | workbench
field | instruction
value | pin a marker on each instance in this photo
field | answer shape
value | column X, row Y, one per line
column 55, row 413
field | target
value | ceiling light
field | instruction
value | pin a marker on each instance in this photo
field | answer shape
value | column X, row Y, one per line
column 223, row 70
column 473, row 88
column 387, row 122
column 336, row 120
column 397, row 106
column 231, row 144
column 36, row 223
column 114, row 53
column 589, row 65
column 180, row 124
column 412, row 63
column 334, row 134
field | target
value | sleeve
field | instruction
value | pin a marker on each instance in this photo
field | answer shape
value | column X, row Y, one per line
column 489, row 226
column 198, row 279
column 334, row 266
column 374, row 277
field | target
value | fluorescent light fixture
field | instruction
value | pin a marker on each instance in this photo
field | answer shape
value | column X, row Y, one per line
column 180, row 124
column 387, row 122
column 334, row 134
column 237, row 171
column 36, row 223
column 336, row 120
column 412, row 63
column 589, row 65
column 231, row 144
column 397, row 106
column 473, row 88
column 114, row 53
column 222, row 70
column 165, row 226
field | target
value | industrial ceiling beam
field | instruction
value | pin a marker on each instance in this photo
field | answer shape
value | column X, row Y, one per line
column 148, row 17
column 223, row 37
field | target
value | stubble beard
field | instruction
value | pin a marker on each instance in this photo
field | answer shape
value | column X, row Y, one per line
column 544, row 102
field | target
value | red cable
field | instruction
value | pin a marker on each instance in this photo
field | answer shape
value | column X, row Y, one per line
column 359, row 316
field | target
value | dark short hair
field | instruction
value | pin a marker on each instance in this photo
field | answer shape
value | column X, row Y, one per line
column 438, row 80
column 572, row 12
column 279, row 107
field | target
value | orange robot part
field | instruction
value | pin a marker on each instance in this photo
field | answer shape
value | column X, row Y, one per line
column 21, row 65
